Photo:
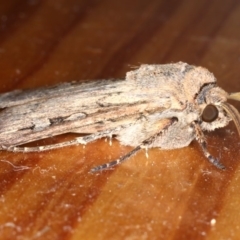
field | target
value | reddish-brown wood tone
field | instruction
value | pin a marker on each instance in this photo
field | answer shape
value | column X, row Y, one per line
column 169, row 195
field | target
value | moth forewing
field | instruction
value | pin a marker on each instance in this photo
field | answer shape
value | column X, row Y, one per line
column 100, row 107
column 165, row 106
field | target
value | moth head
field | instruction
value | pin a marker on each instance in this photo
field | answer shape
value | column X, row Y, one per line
column 216, row 111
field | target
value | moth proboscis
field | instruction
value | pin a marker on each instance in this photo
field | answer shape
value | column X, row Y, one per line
column 165, row 106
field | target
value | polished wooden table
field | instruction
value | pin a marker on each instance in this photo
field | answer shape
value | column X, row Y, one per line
column 173, row 194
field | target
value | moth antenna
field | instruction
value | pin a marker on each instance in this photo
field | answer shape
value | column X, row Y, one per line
column 115, row 162
column 234, row 96
column 234, row 114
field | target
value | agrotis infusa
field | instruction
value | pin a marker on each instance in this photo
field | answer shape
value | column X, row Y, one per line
column 165, row 106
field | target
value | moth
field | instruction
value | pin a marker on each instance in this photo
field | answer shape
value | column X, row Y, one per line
column 163, row 106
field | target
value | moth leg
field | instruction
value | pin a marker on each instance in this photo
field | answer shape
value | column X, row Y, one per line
column 144, row 144
column 115, row 162
column 203, row 144
column 79, row 140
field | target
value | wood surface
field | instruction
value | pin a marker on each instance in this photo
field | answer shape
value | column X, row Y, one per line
column 173, row 194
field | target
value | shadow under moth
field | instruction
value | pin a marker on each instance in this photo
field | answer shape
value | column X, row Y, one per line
column 164, row 106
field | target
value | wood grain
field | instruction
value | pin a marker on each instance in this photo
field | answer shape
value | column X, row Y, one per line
column 170, row 195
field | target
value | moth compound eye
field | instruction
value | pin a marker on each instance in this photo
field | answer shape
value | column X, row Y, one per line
column 210, row 113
